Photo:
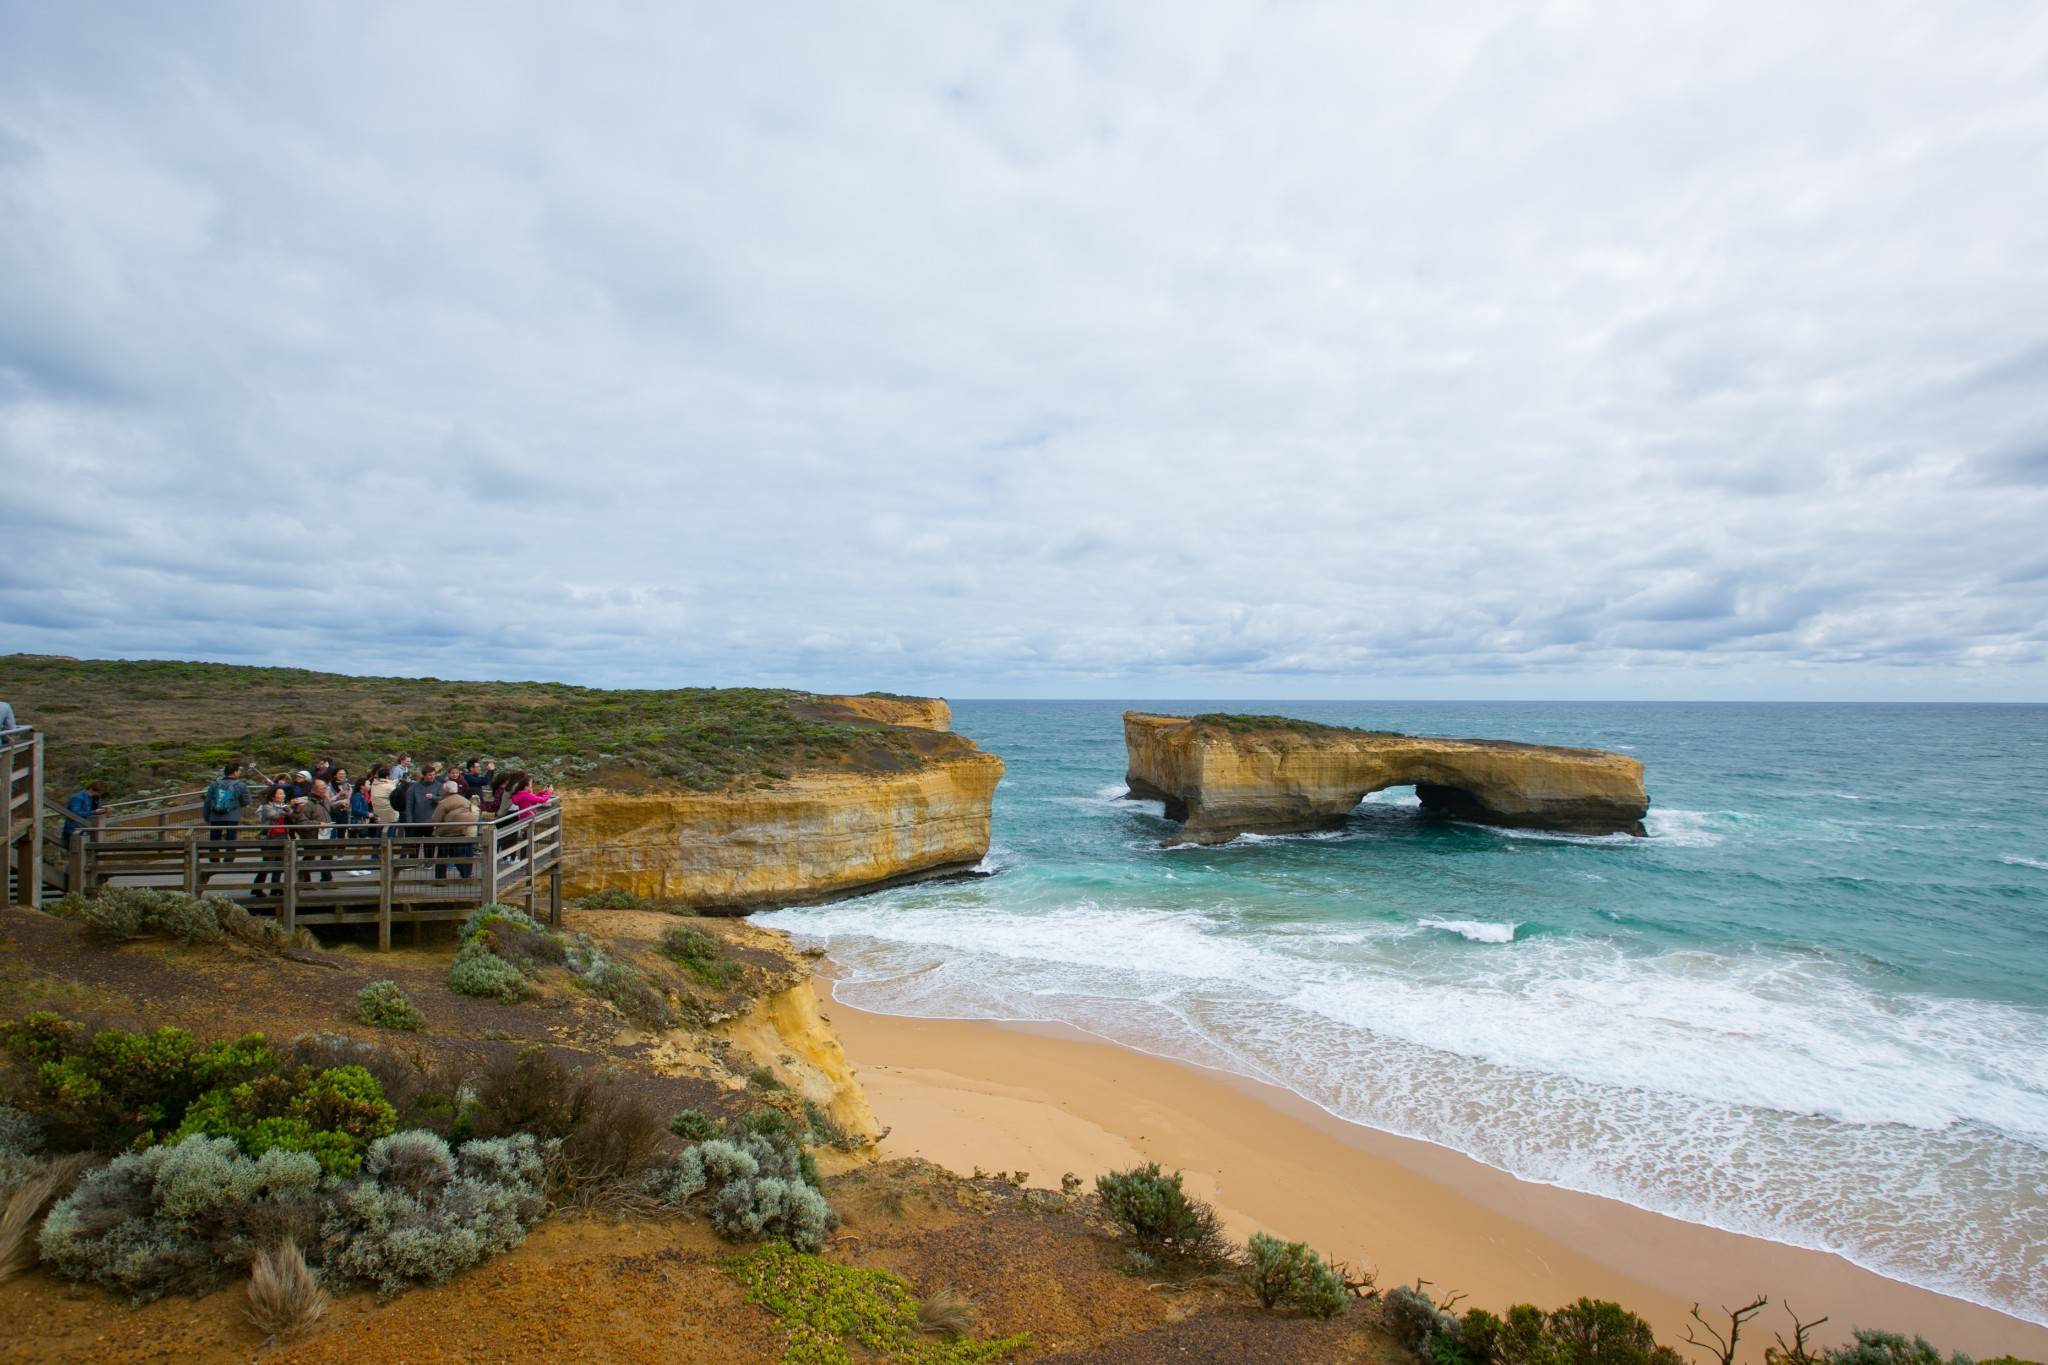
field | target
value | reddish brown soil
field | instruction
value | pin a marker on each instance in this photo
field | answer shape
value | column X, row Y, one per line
column 586, row 1288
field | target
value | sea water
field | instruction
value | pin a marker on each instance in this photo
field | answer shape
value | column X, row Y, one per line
column 1812, row 1006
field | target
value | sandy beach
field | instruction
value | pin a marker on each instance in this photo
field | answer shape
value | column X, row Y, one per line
column 1047, row 1100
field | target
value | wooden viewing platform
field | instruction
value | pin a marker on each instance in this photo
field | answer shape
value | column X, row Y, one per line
column 355, row 876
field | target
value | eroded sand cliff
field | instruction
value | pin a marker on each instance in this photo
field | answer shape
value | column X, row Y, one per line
column 1221, row 781
column 808, row 837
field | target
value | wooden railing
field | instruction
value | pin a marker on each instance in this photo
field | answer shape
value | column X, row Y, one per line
column 21, row 815
column 356, row 875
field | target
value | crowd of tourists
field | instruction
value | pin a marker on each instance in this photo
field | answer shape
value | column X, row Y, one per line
column 448, row 805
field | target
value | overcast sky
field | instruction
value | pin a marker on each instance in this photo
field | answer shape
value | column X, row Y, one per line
column 1188, row 349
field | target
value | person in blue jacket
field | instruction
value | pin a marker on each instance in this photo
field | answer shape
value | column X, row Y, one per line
column 84, row 807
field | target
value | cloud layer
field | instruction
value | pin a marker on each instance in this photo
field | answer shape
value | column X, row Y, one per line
column 1179, row 349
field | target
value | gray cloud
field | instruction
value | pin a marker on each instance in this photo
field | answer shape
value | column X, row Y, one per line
column 1217, row 348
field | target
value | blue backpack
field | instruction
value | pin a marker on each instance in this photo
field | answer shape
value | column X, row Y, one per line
column 220, row 800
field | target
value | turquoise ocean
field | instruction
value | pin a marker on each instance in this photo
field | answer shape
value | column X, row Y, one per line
column 1812, row 1006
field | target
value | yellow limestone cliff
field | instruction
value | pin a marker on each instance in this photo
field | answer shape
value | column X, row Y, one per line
column 808, row 837
column 1251, row 776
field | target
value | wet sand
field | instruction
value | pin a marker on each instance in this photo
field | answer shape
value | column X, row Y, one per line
column 1048, row 1099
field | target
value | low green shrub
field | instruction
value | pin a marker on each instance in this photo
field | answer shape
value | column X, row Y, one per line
column 757, row 1184
column 1889, row 1348
column 695, row 1125
column 1161, row 1217
column 334, row 1114
column 699, row 953
column 420, row 1213
column 480, row 972
column 1585, row 1332
column 610, row 899
column 381, row 1004
column 183, row 1216
column 178, row 1217
column 119, row 913
column 1289, row 1272
column 820, row 1305
column 109, row 1088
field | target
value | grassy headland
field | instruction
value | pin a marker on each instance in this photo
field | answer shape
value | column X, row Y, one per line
column 145, row 725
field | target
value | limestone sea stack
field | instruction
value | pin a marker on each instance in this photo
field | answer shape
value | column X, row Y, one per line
column 1222, row 776
column 808, row 837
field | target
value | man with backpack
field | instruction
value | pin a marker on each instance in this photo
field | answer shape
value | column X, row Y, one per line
column 223, row 802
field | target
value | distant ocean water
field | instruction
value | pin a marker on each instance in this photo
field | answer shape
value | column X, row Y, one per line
column 1812, row 1006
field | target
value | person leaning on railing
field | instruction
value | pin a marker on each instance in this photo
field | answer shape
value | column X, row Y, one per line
column 84, row 808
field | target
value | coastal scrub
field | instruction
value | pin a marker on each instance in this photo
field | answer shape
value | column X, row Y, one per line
column 821, row 1305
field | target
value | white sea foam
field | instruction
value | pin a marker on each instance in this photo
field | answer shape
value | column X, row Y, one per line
column 1479, row 931
column 1776, row 1093
column 2015, row 860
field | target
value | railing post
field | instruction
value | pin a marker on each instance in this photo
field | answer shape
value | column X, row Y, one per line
column 77, row 880
column 386, row 885
column 7, row 853
column 488, row 846
column 192, row 863
column 33, row 861
column 555, row 896
column 288, row 908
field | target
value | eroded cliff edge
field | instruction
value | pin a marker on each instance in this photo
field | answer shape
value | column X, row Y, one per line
column 916, row 810
column 1225, row 776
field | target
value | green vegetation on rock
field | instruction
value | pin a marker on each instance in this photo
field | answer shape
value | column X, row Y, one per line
column 144, row 725
column 1246, row 724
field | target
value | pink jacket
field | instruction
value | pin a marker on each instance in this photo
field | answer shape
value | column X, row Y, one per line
column 524, row 802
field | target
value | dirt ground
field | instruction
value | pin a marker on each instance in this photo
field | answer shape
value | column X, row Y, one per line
column 589, row 1288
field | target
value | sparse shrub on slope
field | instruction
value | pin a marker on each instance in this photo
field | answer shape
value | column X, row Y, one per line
column 420, row 1214
column 1889, row 1348
column 109, row 1089
column 698, row 952
column 819, row 1305
column 381, row 1004
column 334, row 1114
column 1289, row 1272
column 758, row 1182
column 119, row 913
column 1161, row 1217
column 178, row 1217
column 1585, row 1332
column 695, row 1125
column 503, row 948
column 608, row 1138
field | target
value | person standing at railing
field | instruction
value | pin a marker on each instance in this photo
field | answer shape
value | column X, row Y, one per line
column 421, row 797
column 311, row 820
column 6, row 723
column 274, row 818
column 84, row 808
column 455, row 818
column 225, row 799
column 379, row 786
column 526, row 800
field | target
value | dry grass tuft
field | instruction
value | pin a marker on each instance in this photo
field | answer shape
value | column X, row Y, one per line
column 25, row 1209
column 285, row 1297
column 946, row 1313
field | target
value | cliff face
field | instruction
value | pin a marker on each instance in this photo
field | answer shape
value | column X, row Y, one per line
column 1221, row 783
column 807, row 838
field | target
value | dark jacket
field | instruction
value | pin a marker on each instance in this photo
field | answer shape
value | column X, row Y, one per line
column 420, row 799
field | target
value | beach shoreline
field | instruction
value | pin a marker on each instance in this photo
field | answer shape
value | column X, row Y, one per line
column 1049, row 1099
